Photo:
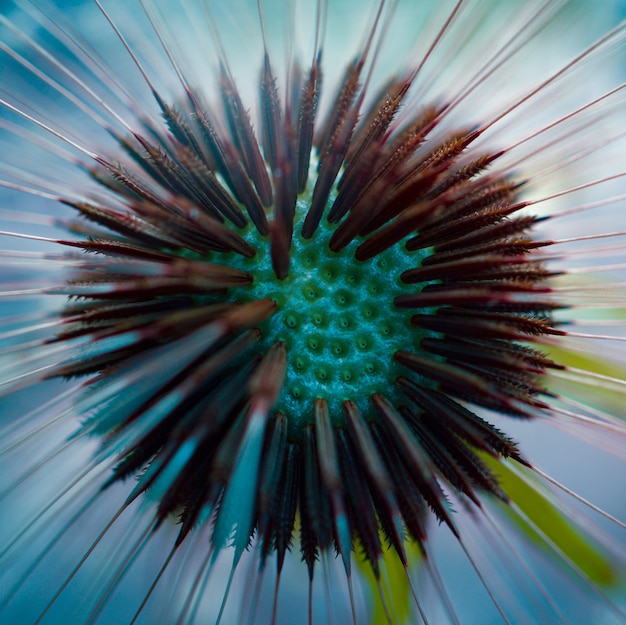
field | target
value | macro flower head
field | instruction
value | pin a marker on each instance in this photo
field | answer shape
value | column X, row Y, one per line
column 312, row 312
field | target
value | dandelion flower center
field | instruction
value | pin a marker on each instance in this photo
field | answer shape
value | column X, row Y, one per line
column 335, row 315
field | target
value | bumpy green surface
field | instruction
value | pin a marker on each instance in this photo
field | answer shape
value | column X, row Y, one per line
column 337, row 317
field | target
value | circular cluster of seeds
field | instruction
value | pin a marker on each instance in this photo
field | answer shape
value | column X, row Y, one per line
column 337, row 318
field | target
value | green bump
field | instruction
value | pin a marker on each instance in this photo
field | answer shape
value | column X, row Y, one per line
column 337, row 317
column 291, row 321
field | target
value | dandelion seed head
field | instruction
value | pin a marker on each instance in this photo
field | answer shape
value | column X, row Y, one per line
column 296, row 298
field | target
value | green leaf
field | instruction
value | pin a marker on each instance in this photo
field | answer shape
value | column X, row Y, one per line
column 574, row 542
column 398, row 594
column 588, row 391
